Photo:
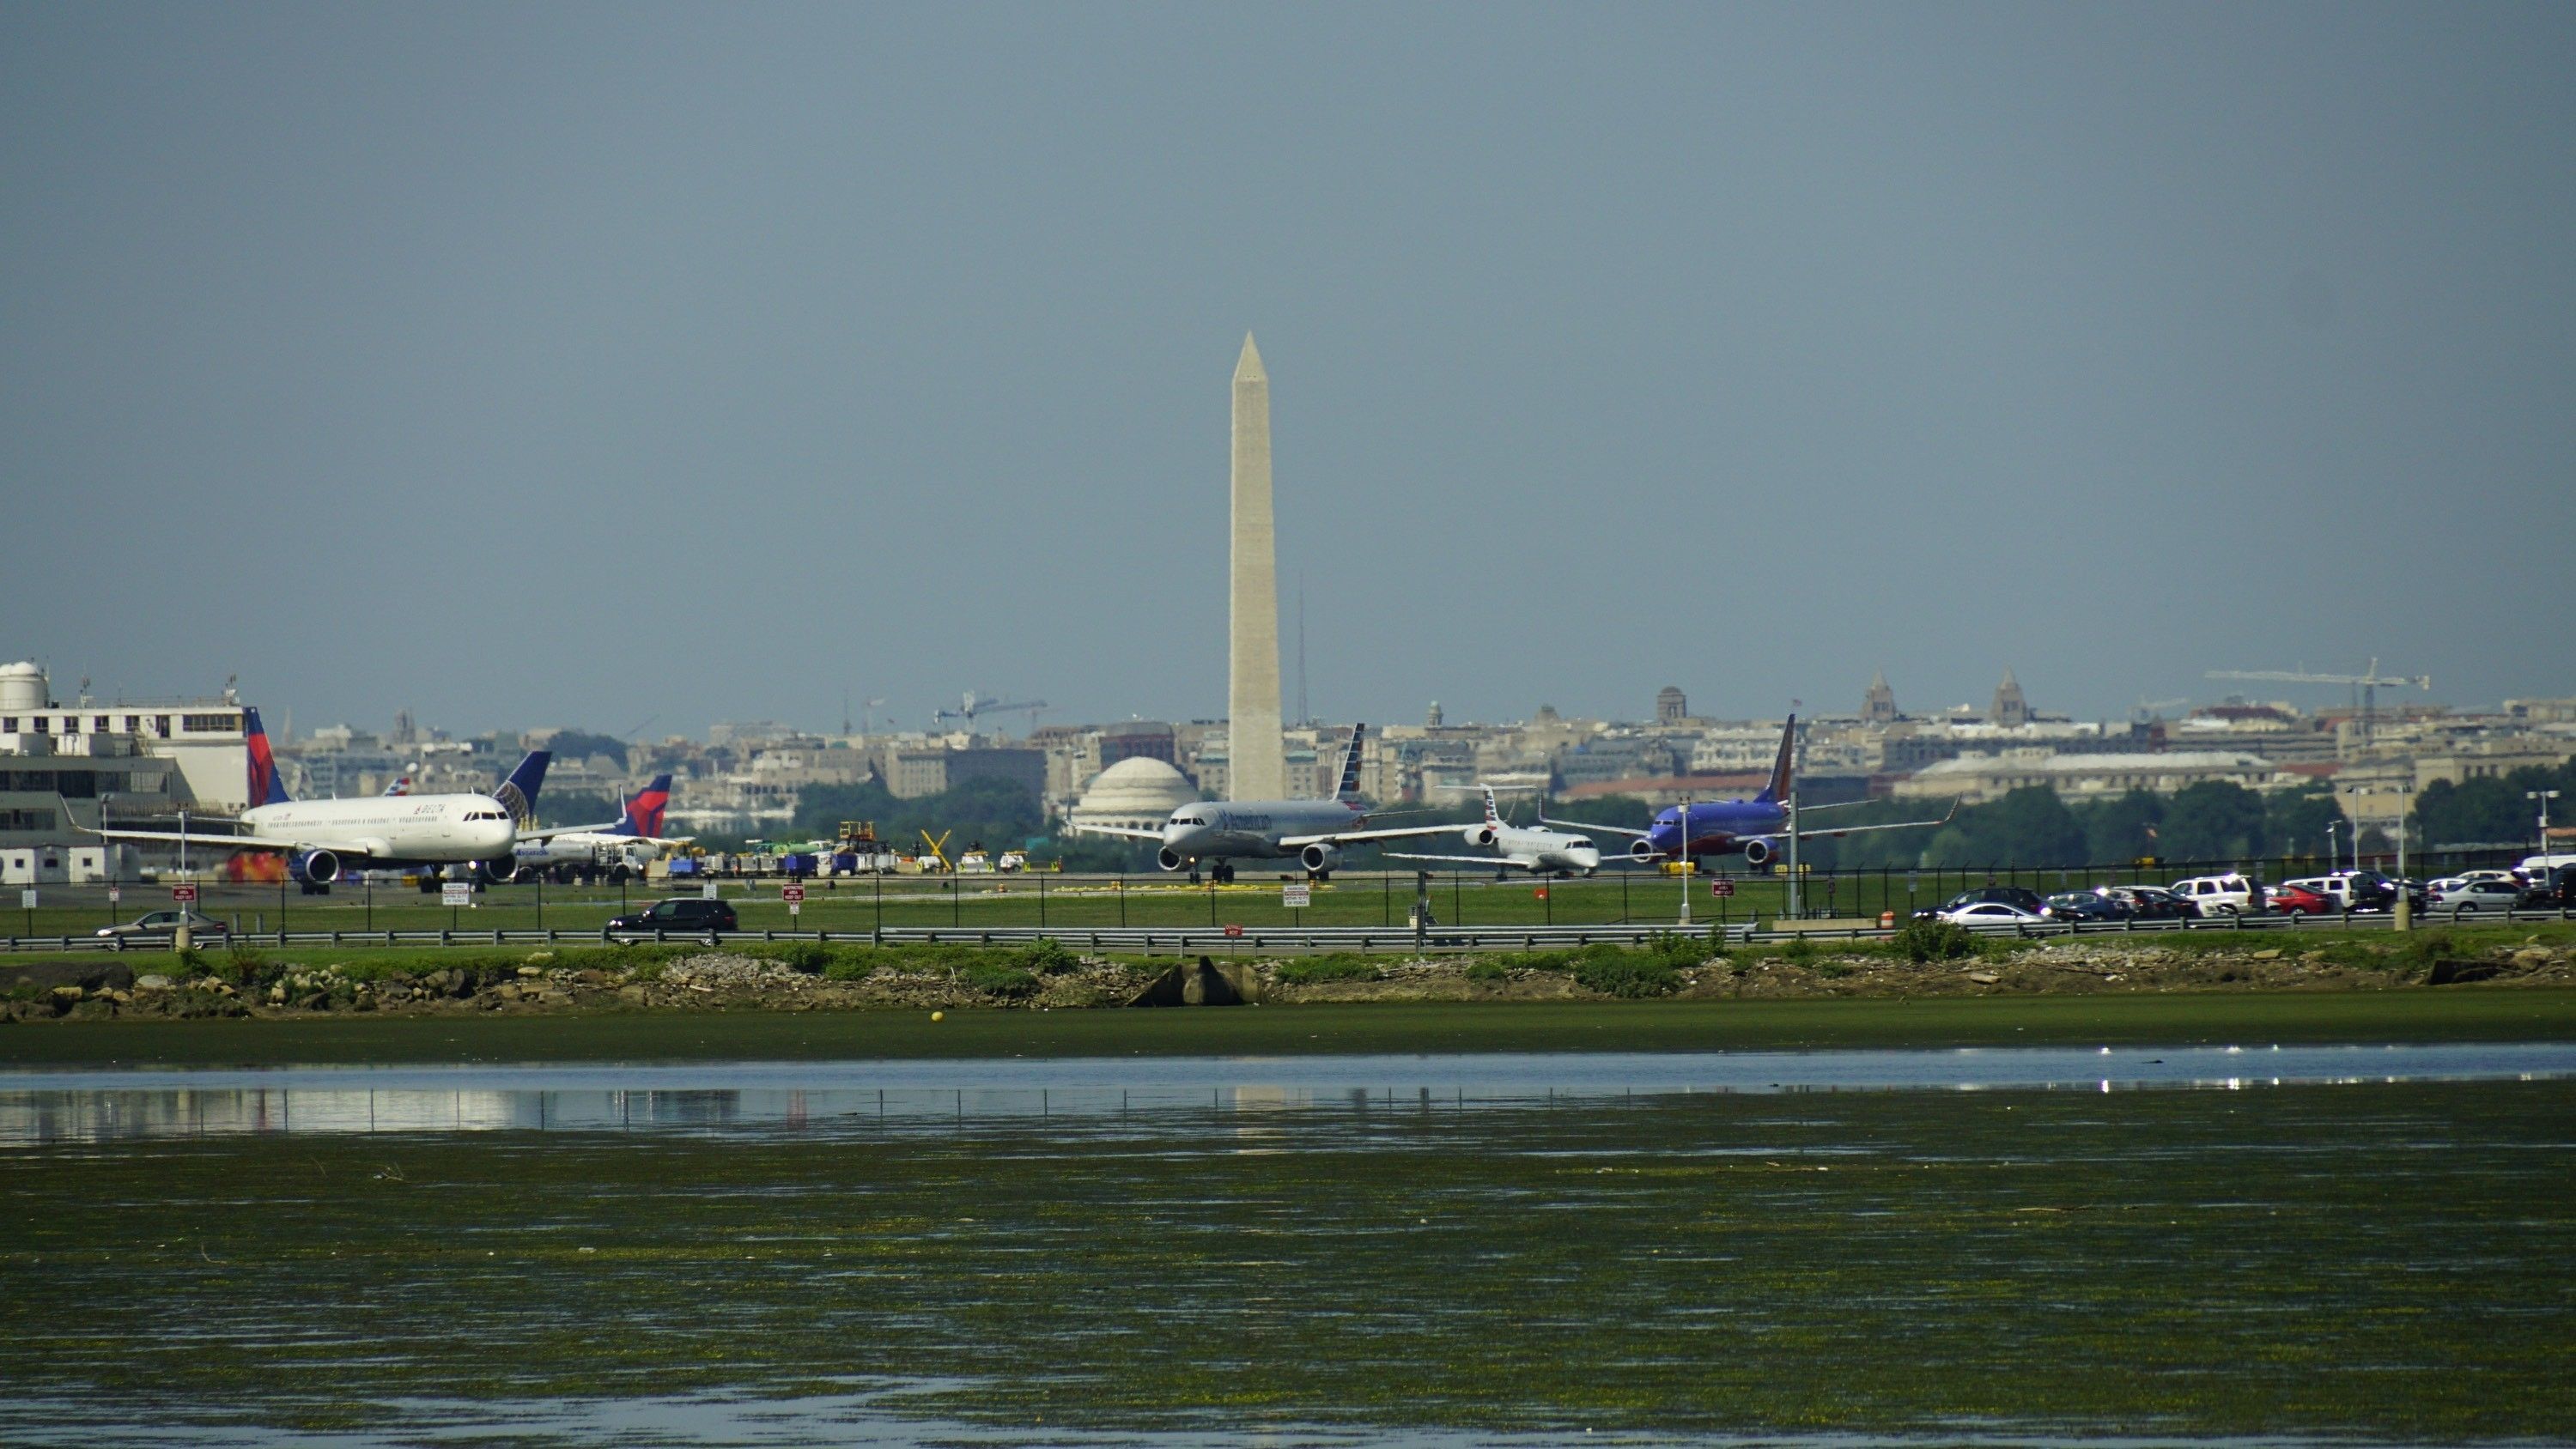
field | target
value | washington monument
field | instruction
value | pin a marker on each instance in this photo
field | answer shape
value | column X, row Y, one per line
column 1256, row 764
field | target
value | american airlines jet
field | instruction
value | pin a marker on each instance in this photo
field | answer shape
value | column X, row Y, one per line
column 322, row 838
column 1312, row 832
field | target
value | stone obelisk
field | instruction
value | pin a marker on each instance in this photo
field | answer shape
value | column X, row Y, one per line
column 1256, row 762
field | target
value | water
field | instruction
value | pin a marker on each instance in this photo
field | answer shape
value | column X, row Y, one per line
column 2351, row 1245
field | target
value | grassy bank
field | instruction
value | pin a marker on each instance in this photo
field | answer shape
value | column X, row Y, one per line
column 1443, row 1027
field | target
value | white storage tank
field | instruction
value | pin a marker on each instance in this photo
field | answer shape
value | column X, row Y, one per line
column 22, row 685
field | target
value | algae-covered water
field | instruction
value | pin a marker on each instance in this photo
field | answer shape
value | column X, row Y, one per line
column 1338, row 1256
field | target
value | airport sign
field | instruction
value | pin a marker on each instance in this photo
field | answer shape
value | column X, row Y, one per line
column 1233, row 931
column 792, row 892
column 456, row 893
column 27, row 899
column 1721, row 887
column 184, row 894
column 1296, row 895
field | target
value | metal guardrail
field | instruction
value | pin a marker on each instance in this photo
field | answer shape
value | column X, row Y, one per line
column 1151, row 940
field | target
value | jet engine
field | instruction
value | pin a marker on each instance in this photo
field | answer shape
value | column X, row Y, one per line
column 1478, row 834
column 1759, row 852
column 1318, row 858
column 1169, row 859
column 321, row 867
column 498, row 870
column 1641, row 848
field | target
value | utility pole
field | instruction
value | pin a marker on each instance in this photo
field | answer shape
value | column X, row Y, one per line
column 1797, row 905
column 1685, row 844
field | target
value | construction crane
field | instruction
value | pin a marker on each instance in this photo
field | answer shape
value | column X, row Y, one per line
column 972, row 706
column 2147, row 710
column 2365, row 685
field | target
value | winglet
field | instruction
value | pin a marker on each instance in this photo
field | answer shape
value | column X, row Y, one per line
column 266, row 788
column 1778, row 788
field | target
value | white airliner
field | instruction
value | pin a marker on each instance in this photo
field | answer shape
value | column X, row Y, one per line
column 321, row 838
column 1539, row 852
column 1313, row 832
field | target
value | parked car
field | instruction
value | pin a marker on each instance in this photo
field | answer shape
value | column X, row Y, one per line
column 2352, row 890
column 2027, row 900
column 2471, row 895
column 1995, row 913
column 2508, row 877
column 163, row 923
column 2293, row 899
column 2085, row 907
column 689, row 914
column 2555, row 891
column 2150, row 903
column 2231, row 894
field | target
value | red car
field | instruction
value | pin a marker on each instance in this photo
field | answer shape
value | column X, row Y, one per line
column 2292, row 900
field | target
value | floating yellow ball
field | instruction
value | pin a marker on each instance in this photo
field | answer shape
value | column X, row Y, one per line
column 939, row 1016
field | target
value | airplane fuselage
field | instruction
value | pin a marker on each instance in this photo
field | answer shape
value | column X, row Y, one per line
column 1250, row 829
column 391, row 829
column 1715, row 827
column 1544, row 852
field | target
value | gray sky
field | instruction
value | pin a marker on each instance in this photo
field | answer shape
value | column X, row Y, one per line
column 588, row 363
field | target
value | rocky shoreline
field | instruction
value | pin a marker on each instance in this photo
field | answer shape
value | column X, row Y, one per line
column 720, row 979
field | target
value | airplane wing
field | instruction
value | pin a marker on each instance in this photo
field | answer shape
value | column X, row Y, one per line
column 1468, row 859
column 1346, row 837
column 245, row 842
column 1119, row 830
column 1588, row 825
column 551, row 831
column 1897, row 825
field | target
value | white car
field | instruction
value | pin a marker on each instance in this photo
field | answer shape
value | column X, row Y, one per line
column 2222, row 895
column 2470, row 895
column 1993, row 913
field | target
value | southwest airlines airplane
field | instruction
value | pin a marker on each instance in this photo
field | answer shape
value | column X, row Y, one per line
column 1758, row 827
column 1312, row 832
column 321, row 838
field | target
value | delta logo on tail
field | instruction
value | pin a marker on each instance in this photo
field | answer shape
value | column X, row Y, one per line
column 265, row 786
column 643, row 815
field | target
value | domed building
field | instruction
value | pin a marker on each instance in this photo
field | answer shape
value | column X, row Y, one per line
column 1137, row 793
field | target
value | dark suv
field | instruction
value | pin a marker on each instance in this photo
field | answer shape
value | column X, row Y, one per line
column 691, row 914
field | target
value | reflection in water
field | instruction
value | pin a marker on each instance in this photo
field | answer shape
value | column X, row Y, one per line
column 101, row 1106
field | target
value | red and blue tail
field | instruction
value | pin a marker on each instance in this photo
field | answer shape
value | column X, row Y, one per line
column 266, row 788
column 644, row 813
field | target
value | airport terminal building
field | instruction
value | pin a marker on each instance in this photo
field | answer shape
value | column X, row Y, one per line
column 61, row 765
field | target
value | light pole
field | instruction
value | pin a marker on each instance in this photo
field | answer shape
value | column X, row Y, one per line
column 1682, row 847
column 2334, row 853
column 2542, row 798
column 2405, row 906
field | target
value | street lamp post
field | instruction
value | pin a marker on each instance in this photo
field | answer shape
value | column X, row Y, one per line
column 2334, row 853
column 1682, row 847
column 2541, row 798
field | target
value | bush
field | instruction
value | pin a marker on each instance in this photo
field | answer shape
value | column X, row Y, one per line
column 1048, row 957
column 1632, row 974
column 994, row 979
column 1930, row 939
column 1307, row 970
column 810, row 958
column 1487, row 971
column 1800, row 950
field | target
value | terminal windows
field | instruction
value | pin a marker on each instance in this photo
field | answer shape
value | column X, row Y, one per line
column 210, row 724
column 26, row 820
column 71, row 724
column 161, row 725
column 98, row 724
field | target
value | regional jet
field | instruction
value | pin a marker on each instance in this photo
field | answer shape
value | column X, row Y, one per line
column 1312, row 832
column 579, row 846
column 1758, row 827
column 1540, row 852
column 322, row 838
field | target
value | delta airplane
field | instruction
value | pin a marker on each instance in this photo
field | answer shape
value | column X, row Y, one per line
column 322, row 838
column 1758, row 827
column 578, row 847
column 1312, row 832
column 1539, row 852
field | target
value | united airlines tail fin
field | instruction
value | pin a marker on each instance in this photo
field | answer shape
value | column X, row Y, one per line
column 644, row 813
column 1348, row 791
column 1778, row 788
column 518, row 794
column 266, row 788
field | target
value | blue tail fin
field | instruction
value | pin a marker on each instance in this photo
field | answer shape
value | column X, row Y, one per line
column 518, row 794
column 1778, row 788
column 1349, row 789
column 265, row 786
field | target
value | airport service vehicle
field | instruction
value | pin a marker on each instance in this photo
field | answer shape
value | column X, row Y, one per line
column 2084, row 907
column 1311, row 832
column 2151, row 903
column 2533, row 867
column 1994, row 913
column 163, row 923
column 680, row 913
column 2459, row 897
column 1540, row 852
column 1758, row 827
column 321, row 838
column 619, row 850
column 2292, row 899
column 2222, row 895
